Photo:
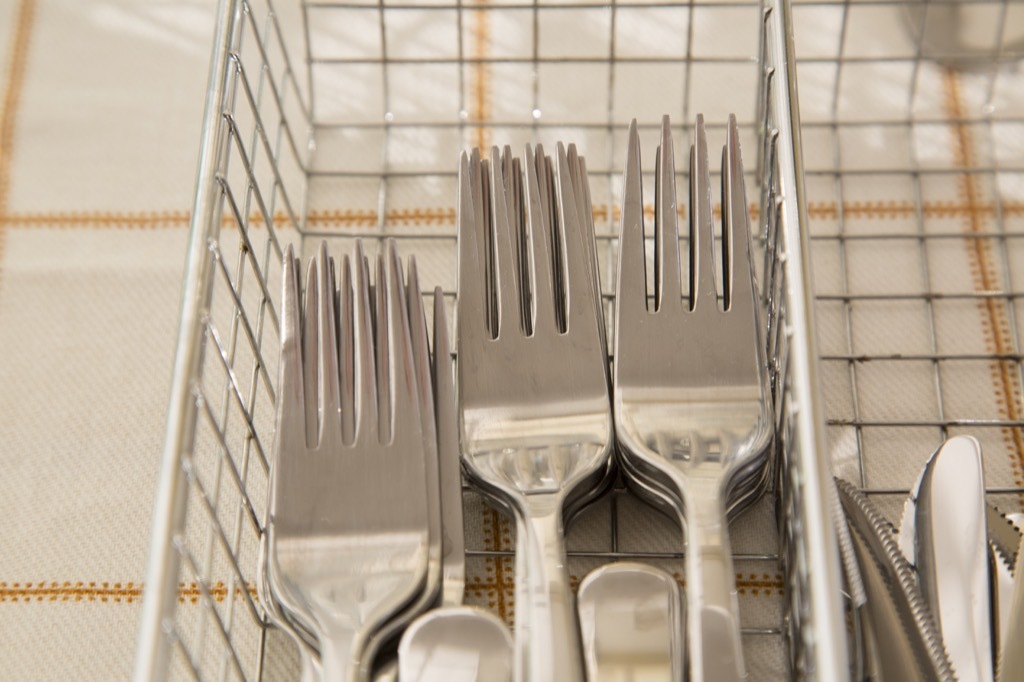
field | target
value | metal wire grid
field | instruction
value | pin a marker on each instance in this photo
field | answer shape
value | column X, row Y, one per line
column 285, row 158
column 913, row 168
column 210, row 504
column 924, row 175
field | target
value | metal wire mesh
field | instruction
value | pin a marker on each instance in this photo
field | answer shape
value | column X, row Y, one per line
column 914, row 160
column 343, row 120
column 911, row 130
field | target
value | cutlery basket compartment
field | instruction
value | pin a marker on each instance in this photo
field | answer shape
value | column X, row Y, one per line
column 344, row 120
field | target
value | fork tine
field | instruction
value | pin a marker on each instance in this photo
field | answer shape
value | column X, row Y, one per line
column 291, row 420
column 542, row 166
column 383, row 333
column 539, row 226
column 444, row 378
column 516, row 199
column 667, row 287
column 508, row 180
column 546, row 184
column 702, row 224
column 549, row 207
column 631, row 287
column 738, row 273
column 504, row 249
column 483, row 204
column 365, row 366
column 346, row 352
column 579, row 280
column 585, row 209
column 586, row 213
column 310, row 378
column 449, row 462
column 420, row 345
column 402, row 370
column 511, row 174
column 472, row 277
column 330, row 391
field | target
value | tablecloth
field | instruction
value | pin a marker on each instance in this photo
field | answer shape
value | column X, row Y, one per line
column 101, row 110
column 99, row 126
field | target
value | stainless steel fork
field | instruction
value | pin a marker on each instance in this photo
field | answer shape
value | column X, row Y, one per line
column 453, row 560
column 347, row 535
column 535, row 414
column 379, row 654
column 692, row 406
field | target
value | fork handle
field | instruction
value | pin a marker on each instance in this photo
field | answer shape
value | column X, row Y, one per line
column 713, row 628
column 548, row 645
column 340, row 647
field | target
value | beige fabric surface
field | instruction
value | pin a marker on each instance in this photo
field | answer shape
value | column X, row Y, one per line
column 99, row 130
column 100, row 117
column 933, row 154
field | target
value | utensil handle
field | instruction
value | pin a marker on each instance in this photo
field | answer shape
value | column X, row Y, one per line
column 339, row 653
column 309, row 665
column 547, row 635
column 713, row 627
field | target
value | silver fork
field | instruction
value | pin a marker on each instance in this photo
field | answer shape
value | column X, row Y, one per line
column 449, row 463
column 347, row 536
column 378, row 658
column 453, row 640
column 691, row 389
column 535, row 420
column 307, row 646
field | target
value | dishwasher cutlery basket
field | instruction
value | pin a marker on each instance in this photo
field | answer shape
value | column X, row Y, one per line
column 343, row 120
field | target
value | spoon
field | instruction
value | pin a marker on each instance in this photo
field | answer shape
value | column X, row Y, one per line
column 456, row 644
column 631, row 622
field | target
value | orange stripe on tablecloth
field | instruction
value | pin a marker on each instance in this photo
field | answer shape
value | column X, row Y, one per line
column 15, row 81
column 984, row 270
column 496, row 586
column 67, row 591
column 400, row 216
column 98, row 219
column 105, row 592
column 445, row 215
column 480, row 94
column 191, row 594
column 180, row 219
column 894, row 210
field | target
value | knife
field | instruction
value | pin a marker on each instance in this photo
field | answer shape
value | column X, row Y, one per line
column 1008, row 594
column 896, row 620
column 944, row 537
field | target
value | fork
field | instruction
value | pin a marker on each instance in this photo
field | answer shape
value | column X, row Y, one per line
column 454, row 640
column 308, row 648
column 347, row 536
column 379, row 654
column 535, row 413
column 691, row 388
column 449, row 463
column 306, row 644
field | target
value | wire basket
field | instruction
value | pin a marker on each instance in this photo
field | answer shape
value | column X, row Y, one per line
column 912, row 119
column 344, row 120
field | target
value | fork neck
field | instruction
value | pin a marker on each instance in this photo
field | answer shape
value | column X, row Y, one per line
column 705, row 518
column 548, row 640
column 716, row 653
column 340, row 645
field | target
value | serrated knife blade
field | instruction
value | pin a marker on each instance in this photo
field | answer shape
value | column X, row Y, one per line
column 896, row 617
column 1008, row 599
column 1004, row 534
